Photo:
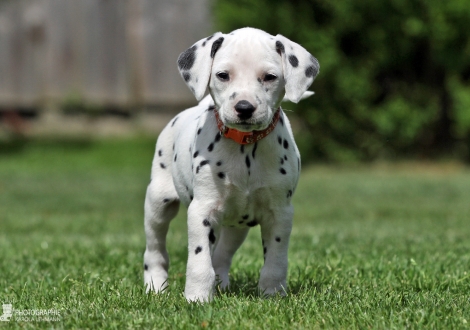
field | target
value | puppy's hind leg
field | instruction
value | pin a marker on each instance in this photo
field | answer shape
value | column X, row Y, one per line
column 161, row 206
column 229, row 242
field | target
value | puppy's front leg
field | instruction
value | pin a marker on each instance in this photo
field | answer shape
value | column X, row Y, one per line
column 200, row 275
column 275, row 238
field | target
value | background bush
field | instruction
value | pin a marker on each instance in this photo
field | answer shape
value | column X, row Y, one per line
column 394, row 79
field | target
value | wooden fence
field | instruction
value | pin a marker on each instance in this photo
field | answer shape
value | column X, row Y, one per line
column 106, row 52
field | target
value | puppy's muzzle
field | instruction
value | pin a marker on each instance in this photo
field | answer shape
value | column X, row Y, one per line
column 244, row 109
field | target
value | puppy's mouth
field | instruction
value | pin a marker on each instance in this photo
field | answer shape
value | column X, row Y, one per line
column 245, row 125
column 244, row 131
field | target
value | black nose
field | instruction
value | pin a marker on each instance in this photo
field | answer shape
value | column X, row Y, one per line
column 244, row 109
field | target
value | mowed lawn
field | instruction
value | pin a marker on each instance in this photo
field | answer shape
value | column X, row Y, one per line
column 373, row 246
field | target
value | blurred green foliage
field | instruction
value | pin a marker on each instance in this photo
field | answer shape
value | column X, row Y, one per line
column 394, row 74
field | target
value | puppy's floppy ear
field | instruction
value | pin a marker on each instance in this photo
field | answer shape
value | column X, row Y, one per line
column 299, row 66
column 195, row 63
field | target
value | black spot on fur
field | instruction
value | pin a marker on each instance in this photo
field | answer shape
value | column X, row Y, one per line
column 174, row 121
column 196, row 154
column 197, row 170
column 254, row 150
column 209, row 37
column 204, row 162
column 173, row 147
column 199, row 131
column 252, row 223
column 278, row 239
column 233, row 96
column 285, row 157
column 247, row 161
column 146, row 267
column 282, row 161
column 280, row 47
column 212, row 236
column 221, row 175
column 186, row 76
column 187, row 58
column 283, row 171
column 242, row 148
column 160, row 152
column 174, row 159
column 310, row 71
column 281, row 120
column 245, row 217
column 313, row 69
column 206, row 223
column 216, row 45
column 211, row 108
column 219, row 163
column 286, row 144
column 294, row 61
column 289, row 194
column 279, row 140
column 204, row 44
column 210, row 147
column 260, row 81
column 198, row 249
column 217, row 137
column 162, row 165
column 166, row 200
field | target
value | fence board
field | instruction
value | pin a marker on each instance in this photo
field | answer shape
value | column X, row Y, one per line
column 111, row 52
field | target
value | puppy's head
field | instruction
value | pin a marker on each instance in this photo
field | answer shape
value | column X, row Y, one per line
column 248, row 72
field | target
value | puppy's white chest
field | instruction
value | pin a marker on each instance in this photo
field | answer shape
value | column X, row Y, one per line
column 255, row 180
column 245, row 208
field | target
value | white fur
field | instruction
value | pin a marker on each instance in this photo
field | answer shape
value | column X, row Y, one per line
column 228, row 187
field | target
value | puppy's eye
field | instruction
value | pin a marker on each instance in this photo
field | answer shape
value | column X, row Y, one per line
column 269, row 77
column 223, row 76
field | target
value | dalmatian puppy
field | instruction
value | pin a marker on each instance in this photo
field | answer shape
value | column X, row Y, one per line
column 231, row 159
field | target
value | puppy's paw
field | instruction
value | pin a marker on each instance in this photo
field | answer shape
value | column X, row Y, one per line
column 155, row 283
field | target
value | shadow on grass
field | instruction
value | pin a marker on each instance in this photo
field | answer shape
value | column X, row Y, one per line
column 19, row 144
column 246, row 286
column 13, row 146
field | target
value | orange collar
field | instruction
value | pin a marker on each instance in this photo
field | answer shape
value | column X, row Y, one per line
column 246, row 137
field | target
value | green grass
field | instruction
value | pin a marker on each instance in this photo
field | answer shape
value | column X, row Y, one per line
column 383, row 246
